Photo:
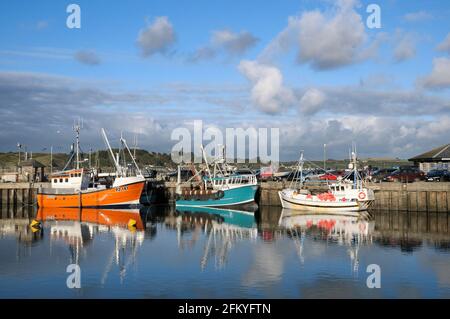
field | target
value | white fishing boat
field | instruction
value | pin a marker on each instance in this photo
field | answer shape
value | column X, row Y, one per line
column 347, row 195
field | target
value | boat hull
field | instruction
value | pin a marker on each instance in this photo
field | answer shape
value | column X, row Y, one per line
column 126, row 195
column 339, row 208
column 232, row 197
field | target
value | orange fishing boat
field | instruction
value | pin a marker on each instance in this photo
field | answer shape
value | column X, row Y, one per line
column 76, row 187
column 71, row 189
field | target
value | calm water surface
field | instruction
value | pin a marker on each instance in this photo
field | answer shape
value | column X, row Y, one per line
column 222, row 254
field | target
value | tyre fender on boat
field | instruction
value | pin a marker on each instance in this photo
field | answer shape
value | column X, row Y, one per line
column 362, row 195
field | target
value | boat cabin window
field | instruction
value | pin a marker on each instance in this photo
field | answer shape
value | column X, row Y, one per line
column 55, row 180
column 67, row 180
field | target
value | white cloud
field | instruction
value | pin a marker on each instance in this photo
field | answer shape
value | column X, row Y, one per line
column 283, row 42
column 444, row 46
column 440, row 75
column 329, row 43
column 405, row 47
column 325, row 40
column 268, row 92
column 417, row 16
column 372, row 135
column 311, row 101
column 230, row 43
column 233, row 43
column 359, row 100
column 202, row 54
column 87, row 57
column 156, row 37
column 369, row 117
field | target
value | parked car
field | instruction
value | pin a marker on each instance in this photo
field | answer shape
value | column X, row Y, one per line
column 438, row 175
column 381, row 174
column 244, row 171
column 410, row 174
column 331, row 176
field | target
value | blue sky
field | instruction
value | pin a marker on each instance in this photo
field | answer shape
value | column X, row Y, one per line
column 333, row 81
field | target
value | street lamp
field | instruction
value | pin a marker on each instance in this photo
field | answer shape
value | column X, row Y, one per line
column 19, row 146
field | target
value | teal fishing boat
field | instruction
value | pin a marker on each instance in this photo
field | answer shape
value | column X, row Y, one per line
column 219, row 188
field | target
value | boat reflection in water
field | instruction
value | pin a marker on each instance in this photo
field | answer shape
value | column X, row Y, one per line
column 217, row 253
column 351, row 231
column 78, row 227
column 223, row 228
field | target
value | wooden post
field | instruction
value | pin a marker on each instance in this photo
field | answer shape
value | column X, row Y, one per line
column 417, row 201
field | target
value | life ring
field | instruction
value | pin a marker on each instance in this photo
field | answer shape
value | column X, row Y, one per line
column 361, row 195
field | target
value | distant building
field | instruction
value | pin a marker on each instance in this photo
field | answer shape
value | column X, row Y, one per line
column 31, row 171
column 438, row 158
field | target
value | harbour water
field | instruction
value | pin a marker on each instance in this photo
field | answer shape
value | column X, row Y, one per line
column 160, row 252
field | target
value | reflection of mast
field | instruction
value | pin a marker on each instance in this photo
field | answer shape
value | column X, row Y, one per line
column 354, row 259
column 76, row 234
column 122, row 238
column 299, row 241
column 204, row 259
column 221, row 239
column 77, row 227
column 108, row 267
column 221, row 227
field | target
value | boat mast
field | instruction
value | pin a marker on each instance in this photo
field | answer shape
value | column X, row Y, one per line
column 116, row 162
column 77, row 128
column 206, row 161
column 294, row 181
column 178, row 189
column 135, row 144
column 124, row 142
column 357, row 181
